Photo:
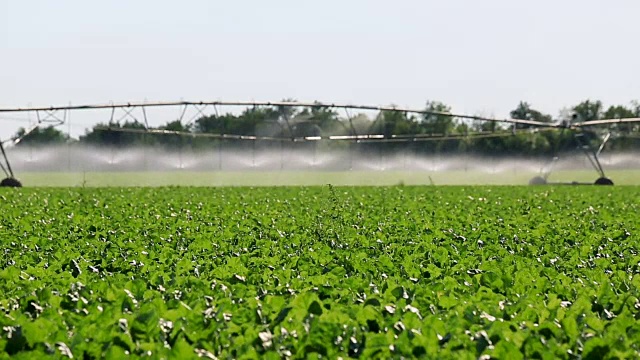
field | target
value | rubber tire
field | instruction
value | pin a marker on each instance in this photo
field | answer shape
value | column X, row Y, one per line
column 10, row 182
column 603, row 181
column 538, row 180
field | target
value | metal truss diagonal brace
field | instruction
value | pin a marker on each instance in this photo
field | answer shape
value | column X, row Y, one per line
column 591, row 154
column 8, row 173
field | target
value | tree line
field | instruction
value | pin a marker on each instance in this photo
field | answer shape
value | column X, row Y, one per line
column 451, row 134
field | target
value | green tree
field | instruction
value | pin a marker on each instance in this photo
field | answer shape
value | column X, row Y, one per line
column 177, row 125
column 49, row 135
column 175, row 140
column 287, row 112
column 486, row 126
column 110, row 134
column 243, row 124
column 323, row 114
column 433, row 122
column 391, row 123
column 524, row 111
column 325, row 118
column 249, row 120
column 361, row 123
column 625, row 141
column 618, row 112
column 588, row 110
column 636, row 108
column 215, row 124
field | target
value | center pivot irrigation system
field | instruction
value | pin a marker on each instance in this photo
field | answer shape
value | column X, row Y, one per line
column 57, row 115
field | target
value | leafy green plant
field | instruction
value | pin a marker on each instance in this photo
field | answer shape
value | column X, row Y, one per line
column 288, row 272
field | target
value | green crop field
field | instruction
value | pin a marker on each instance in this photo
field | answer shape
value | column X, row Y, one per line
column 295, row 272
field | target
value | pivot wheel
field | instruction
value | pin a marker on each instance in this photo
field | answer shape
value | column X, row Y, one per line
column 10, row 182
column 538, row 180
column 603, row 181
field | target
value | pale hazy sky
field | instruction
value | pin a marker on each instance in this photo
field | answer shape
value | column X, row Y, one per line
column 477, row 56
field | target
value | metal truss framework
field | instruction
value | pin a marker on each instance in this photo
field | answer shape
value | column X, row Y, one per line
column 137, row 111
column 51, row 116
